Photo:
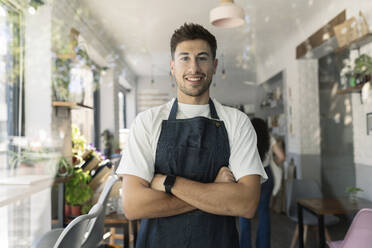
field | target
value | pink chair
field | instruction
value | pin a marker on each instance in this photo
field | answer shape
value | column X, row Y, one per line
column 359, row 234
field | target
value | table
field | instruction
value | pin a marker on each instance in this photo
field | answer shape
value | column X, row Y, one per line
column 12, row 192
column 35, row 212
column 119, row 220
column 322, row 206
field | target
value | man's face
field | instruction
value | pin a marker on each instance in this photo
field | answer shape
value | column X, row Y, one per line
column 193, row 67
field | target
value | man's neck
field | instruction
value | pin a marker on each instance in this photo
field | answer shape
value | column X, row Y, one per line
column 197, row 100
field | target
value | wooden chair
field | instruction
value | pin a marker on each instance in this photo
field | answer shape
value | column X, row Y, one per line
column 130, row 229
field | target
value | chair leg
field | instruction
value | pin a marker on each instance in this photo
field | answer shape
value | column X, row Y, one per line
column 316, row 230
column 112, row 237
column 306, row 228
column 295, row 237
column 327, row 235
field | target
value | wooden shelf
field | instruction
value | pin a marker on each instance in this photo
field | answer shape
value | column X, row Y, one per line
column 355, row 89
column 358, row 43
column 71, row 105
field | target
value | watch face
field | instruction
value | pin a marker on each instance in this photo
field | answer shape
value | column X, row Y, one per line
column 169, row 182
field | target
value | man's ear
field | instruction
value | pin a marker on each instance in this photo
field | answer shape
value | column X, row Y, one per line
column 215, row 64
column 171, row 65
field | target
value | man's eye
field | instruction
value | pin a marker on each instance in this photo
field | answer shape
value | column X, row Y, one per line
column 203, row 58
column 184, row 58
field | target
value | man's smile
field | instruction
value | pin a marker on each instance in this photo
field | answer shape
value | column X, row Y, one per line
column 194, row 79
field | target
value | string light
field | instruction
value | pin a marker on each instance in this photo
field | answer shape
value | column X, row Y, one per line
column 223, row 68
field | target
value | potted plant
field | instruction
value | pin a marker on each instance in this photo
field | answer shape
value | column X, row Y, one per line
column 352, row 192
column 356, row 71
column 363, row 68
column 64, row 167
column 78, row 191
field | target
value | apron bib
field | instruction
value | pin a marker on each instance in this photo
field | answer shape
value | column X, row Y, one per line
column 196, row 149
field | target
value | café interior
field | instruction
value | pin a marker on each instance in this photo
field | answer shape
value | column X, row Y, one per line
column 75, row 74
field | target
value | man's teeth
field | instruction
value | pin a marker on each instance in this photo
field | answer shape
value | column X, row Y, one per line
column 194, row 79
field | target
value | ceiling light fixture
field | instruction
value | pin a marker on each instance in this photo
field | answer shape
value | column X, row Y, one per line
column 227, row 15
column 33, row 5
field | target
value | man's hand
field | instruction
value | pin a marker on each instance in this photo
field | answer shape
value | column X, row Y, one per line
column 224, row 176
column 157, row 182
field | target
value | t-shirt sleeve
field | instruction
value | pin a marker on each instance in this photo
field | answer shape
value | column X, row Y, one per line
column 137, row 158
column 272, row 141
column 245, row 159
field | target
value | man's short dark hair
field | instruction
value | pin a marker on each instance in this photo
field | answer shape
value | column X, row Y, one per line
column 192, row 31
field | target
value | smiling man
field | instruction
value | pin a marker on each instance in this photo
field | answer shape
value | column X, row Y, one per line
column 191, row 164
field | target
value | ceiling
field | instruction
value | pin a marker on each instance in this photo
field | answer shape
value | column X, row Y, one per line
column 141, row 29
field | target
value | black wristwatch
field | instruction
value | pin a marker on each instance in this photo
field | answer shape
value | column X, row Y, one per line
column 169, row 182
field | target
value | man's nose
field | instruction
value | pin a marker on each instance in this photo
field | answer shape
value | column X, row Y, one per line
column 194, row 66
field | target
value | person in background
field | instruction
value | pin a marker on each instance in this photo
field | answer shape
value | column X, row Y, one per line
column 267, row 147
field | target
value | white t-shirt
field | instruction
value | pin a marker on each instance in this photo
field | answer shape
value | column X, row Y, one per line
column 270, row 152
column 139, row 154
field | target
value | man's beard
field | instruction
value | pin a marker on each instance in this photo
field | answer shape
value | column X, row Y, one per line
column 200, row 91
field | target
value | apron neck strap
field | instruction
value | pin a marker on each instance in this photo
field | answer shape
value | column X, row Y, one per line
column 173, row 112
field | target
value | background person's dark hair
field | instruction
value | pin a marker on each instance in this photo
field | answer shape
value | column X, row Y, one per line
column 263, row 137
column 191, row 31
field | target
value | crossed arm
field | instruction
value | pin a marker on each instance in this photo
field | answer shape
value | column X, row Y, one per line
column 223, row 197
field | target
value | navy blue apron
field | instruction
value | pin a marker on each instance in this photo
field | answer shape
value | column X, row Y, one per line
column 196, row 149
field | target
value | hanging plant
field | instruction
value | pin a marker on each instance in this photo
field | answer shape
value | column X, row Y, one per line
column 61, row 78
column 363, row 68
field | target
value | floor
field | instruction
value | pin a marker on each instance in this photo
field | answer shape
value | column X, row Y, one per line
column 282, row 229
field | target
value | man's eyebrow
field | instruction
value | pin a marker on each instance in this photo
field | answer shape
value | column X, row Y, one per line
column 182, row 54
column 203, row 53
column 199, row 54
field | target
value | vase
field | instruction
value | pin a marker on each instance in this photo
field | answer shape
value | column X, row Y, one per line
column 353, row 197
column 67, row 210
column 75, row 210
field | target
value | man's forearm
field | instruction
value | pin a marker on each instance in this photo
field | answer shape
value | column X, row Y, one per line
column 145, row 202
column 233, row 199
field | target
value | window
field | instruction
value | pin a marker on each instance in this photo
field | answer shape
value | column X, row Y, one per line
column 121, row 114
column 82, row 78
column 11, row 77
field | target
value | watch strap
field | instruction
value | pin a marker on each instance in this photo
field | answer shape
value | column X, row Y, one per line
column 169, row 182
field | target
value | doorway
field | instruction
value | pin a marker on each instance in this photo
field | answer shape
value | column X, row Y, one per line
column 336, row 124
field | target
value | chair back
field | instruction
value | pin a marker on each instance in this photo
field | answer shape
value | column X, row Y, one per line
column 300, row 188
column 73, row 235
column 360, row 232
column 95, row 230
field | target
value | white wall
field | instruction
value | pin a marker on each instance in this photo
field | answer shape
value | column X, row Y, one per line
column 38, row 65
column 362, row 142
column 107, row 114
column 38, row 106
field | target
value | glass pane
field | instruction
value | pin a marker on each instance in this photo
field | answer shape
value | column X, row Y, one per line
column 4, row 40
column 121, row 110
column 81, row 91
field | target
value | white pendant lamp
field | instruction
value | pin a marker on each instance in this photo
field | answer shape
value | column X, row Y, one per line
column 227, row 15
